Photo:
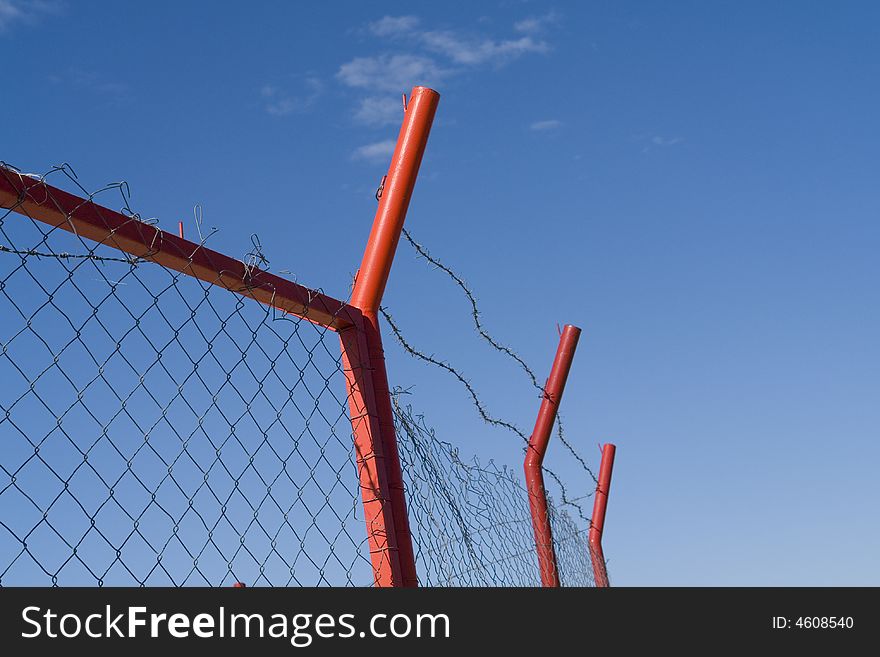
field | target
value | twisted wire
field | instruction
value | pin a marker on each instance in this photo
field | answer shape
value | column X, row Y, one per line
column 567, row 500
column 423, row 252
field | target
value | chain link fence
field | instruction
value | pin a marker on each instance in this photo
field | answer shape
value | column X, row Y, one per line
column 161, row 430
column 163, row 423
column 470, row 521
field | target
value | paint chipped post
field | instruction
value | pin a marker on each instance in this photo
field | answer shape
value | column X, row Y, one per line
column 536, row 450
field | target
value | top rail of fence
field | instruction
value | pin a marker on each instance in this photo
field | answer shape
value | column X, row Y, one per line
column 35, row 198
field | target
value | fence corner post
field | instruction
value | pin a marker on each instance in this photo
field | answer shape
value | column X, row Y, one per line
column 369, row 287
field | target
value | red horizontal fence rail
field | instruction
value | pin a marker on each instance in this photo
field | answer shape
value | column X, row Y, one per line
column 536, row 450
column 597, row 523
column 61, row 209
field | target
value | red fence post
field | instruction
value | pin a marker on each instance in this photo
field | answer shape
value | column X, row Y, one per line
column 370, row 456
column 597, row 522
column 538, row 447
column 367, row 296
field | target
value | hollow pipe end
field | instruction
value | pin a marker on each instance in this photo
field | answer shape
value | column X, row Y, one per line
column 418, row 89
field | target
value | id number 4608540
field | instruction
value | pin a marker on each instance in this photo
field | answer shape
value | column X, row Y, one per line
column 813, row 623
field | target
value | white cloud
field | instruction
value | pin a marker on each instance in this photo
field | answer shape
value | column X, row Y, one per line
column 19, row 11
column 536, row 24
column 390, row 72
column 377, row 151
column 93, row 82
column 379, row 110
column 474, row 51
column 548, row 124
column 650, row 142
column 665, row 141
column 278, row 103
column 10, row 12
column 434, row 56
column 389, row 26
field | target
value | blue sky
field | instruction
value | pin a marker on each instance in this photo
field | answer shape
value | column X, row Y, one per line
column 694, row 184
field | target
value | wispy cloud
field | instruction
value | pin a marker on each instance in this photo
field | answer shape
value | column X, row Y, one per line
column 378, row 151
column 280, row 103
column 93, row 82
column 460, row 47
column 433, row 56
column 394, row 26
column 658, row 140
column 27, row 12
column 479, row 50
column 548, row 124
column 537, row 24
column 379, row 110
column 390, row 72
column 10, row 12
column 650, row 142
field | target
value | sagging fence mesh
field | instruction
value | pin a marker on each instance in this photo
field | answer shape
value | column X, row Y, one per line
column 470, row 520
column 162, row 427
column 161, row 430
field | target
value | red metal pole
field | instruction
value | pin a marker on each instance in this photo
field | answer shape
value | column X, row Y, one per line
column 597, row 523
column 367, row 296
column 370, row 456
column 393, row 204
column 538, row 447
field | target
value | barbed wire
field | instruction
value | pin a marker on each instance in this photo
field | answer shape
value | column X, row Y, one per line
column 475, row 311
column 481, row 408
column 130, row 260
column 255, row 259
column 504, row 349
column 67, row 170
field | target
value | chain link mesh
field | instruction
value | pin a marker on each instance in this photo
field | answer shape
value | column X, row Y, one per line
column 470, row 521
column 160, row 430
